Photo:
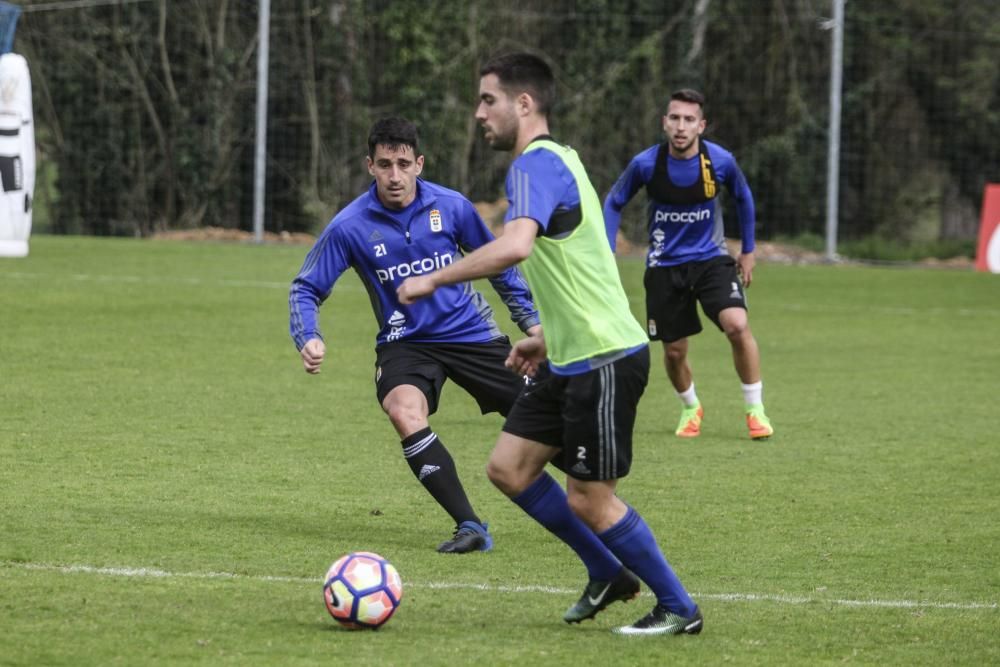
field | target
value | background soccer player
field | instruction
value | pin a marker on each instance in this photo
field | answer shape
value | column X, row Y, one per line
column 688, row 261
column 591, row 362
column 402, row 226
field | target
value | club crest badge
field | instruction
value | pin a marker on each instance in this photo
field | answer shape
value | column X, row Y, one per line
column 435, row 220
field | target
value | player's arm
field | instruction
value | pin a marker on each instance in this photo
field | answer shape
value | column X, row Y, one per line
column 527, row 354
column 509, row 284
column 313, row 353
column 513, row 290
column 304, row 300
column 625, row 187
column 736, row 184
column 514, row 246
column 325, row 263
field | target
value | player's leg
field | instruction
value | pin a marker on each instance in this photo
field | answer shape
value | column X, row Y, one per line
column 434, row 467
column 600, row 411
column 672, row 316
column 746, row 355
column 675, row 359
column 529, row 440
column 629, row 538
column 722, row 296
column 517, row 468
column 408, row 386
column 746, row 358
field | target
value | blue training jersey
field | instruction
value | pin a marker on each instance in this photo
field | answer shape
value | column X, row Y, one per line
column 385, row 247
column 680, row 233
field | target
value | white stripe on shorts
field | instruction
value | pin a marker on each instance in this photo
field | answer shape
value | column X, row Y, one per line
column 606, row 424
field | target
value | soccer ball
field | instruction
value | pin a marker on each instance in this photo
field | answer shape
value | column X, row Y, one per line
column 362, row 590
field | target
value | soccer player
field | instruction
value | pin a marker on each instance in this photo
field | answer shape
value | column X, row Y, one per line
column 590, row 362
column 687, row 260
column 402, row 226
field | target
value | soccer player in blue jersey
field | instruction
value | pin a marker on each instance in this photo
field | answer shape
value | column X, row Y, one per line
column 688, row 261
column 590, row 362
column 403, row 226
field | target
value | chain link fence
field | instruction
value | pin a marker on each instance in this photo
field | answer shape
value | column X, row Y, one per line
column 145, row 108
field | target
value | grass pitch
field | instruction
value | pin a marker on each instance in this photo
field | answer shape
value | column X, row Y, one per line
column 173, row 486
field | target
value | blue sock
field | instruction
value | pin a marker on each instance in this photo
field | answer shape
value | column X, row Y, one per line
column 545, row 502
column 632, row 541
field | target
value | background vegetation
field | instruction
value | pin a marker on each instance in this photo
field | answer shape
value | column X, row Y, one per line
column 145, row 109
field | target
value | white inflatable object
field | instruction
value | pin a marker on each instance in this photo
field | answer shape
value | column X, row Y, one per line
column 993, row 252
column 17, row 155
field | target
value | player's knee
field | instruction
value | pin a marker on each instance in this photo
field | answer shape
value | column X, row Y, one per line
column 734, row 323
column 577, row 503
column 502, row 477
column 736, row 329
column 406, row 418
column 584, row 507
column 675, row 353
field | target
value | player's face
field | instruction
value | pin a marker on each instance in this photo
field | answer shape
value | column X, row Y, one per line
column 395, row 171
column 497, row 114
column 683, row 124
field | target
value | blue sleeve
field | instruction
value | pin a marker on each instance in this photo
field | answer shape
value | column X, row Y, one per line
column 324, row 264
column 624, row 189
column 509, row 285
column 736, row 184
column 538, row 184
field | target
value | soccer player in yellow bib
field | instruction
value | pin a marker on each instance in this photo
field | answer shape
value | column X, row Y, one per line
column 590, row 363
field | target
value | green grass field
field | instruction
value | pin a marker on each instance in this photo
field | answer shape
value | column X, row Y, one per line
column 173, row 486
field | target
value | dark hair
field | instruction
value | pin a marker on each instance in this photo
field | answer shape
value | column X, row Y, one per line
column 524, row 72
column 691, row 96
column 393, row 132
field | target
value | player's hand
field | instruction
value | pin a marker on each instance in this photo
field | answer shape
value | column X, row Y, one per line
column 415, row 288
column 745, row 264
column 312, row 355
column 526, row 355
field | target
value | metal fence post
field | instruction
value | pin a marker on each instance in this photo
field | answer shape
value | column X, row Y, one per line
column 833, row 140
column 260, row 144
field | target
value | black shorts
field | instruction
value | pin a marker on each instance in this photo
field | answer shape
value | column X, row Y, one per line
column 673, row 293
column 478, row 368
column 588, row 416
